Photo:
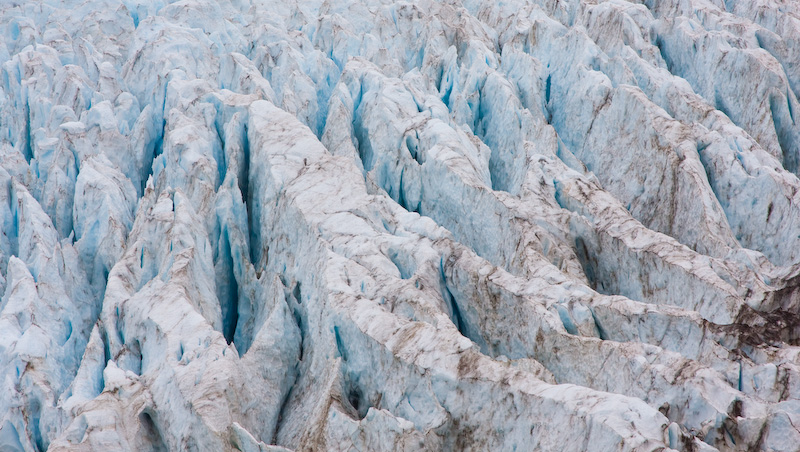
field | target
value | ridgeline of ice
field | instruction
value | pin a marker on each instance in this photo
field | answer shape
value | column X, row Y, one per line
column 372, row 225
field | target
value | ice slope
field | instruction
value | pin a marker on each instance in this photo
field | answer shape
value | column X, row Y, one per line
column 372, row 225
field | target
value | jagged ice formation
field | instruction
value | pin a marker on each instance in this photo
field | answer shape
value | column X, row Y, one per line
column 264, row 225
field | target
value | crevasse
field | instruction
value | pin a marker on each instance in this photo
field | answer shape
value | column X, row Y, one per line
column 385, row 225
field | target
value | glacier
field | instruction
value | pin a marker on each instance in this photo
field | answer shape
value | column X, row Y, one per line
column 257, row 225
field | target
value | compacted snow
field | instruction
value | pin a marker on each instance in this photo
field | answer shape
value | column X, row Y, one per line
column 264, row 225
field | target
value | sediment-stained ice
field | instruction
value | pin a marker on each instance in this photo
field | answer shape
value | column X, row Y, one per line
column 374, row 225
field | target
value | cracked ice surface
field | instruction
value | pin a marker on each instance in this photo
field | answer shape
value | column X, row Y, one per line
column 372, row 225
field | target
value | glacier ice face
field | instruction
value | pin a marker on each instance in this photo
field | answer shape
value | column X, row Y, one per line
column 380, row 225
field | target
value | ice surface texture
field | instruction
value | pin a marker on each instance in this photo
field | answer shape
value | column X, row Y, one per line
column 261, row 225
